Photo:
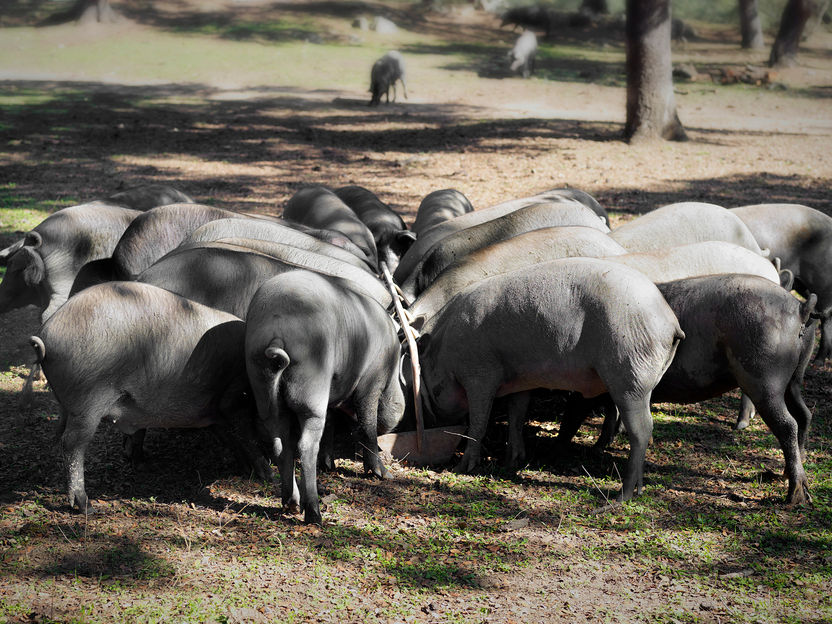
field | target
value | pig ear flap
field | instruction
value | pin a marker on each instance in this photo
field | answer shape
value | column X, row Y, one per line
column 417, row 323
column 404, row 239
column 807, row 309
column 786, row 279
column 33, row 239
column 35, row 271
column 9, row 251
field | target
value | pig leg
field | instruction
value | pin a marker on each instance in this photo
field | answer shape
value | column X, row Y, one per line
column 517, row 405
column 479, row 410
column 245, row 450
column 132, row 445
column 77, row 435
column 367, row 412
column 784, row 427
column 800, row 412
column 611, row 426
column 27, row 394
column 326, row 455
column 825, row 349
column 747, row 411
column 285, row 446
column 635, row 414
column 574, row 415
column 311, row 431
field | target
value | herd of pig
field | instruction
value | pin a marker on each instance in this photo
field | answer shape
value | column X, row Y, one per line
column 161, row 312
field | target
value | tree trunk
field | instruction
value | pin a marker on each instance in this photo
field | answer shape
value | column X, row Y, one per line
column 100, row 11
column 750, row 26
column 598, row 7
column 651, row 105
column 792, row 23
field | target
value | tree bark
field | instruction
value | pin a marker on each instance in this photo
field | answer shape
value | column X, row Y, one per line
column 598, row 7
column 84, row 11
column 750, row 26
column 651, row 104
column 792, row 23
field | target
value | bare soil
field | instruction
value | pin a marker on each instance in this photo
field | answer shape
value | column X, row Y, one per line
column 184, row 538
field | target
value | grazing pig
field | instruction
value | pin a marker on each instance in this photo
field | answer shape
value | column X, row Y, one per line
column 312, row 343
column 383, row 76
column 391, row 235
column 802, row 238
column 694, row 259
column 149, row 237
column 429, row 238
column 158, row 231
column 260, row 229
column 520, row 251
column 521, row 56
column 741, row 331
column 142, row 357
column 578, row 324
column 318, row 207
column 42, row 267
column 459, row 244
column 686, row 222
column 225, row 274
column 439, row 206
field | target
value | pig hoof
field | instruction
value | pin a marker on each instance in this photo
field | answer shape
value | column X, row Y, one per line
column 291, row 508
column 800, row 496
column 742, row 423
column 312, row 516
column 465, row 466
column 83, row 506
column 379, row 471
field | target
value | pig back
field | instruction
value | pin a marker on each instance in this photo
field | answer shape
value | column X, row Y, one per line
column 520, row 251
column 561, row 322
column 683, row 223
column 459, row 244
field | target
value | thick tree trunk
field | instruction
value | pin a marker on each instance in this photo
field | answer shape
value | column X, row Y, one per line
column 750, row 26
column 84, row 11
column 100, row 11
column 792, row 23
column 598, row 7
column 651, row 104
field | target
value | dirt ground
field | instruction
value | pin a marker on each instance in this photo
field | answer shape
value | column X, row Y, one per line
column 184, row 539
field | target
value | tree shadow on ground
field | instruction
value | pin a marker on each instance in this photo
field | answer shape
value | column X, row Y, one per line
column 728, row 191
column 81, row 134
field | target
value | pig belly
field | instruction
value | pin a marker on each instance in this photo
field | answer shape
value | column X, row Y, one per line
column 130, row 419
column 586, row 381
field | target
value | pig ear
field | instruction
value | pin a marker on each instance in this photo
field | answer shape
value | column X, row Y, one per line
column 9, row 251
column 418, row 322
column 786, row 279
column 35, row 271
column 404, row 239
column 33, row 239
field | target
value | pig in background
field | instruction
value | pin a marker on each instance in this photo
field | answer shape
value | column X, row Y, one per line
column 521, row 56
column 386, row 71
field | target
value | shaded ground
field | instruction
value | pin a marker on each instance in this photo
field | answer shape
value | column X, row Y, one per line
column 185, row 539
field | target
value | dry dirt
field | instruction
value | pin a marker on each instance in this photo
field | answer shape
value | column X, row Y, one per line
column 181, row 524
